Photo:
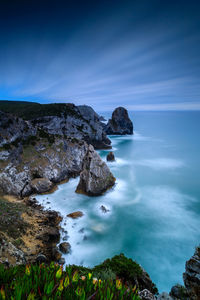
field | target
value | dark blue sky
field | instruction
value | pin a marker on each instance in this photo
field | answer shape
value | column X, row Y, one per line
column 142, row 54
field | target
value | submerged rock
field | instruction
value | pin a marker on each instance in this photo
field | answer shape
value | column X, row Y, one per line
column 191, row 276
column 96, row 177
column 119, row 124
column 110, row 156
column 75, row 215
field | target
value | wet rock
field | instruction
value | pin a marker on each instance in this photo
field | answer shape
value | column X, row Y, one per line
column 119, row 124
column 146, row 295
column 191, row 276
column 179, row 292
column 96, row 177
column 65, row 247
column 110, row 156
column 81, row 230
column 104, row 209
column 75, row 215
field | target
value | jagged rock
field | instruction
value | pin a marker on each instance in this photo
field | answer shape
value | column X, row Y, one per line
column 119, row 124
column 65, row 247
column 25, row 175
column 96, row 177
column 191, row 276
column 104, row 209
column 179, row 292
column 164, row 296
column 146, row 295
column 41, row 185
column 75, row 215
column 110, row 156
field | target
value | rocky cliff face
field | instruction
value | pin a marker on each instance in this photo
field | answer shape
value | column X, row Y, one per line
column 191, row 276
column 80, row 122
column 96, row 177
column 13, row 129
column 32, row 160
column 36, row 168
column 119, row 124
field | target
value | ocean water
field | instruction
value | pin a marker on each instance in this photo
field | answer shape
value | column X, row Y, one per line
column 154, row 215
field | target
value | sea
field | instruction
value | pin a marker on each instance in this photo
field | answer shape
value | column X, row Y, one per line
column 154, row 208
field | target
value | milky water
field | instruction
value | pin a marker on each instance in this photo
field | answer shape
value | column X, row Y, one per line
column 154, row 214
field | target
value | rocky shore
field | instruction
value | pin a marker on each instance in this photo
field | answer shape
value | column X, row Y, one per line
column 41, row 146
column 27, row 232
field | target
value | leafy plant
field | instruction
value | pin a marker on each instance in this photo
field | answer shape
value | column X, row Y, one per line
column 52, row 282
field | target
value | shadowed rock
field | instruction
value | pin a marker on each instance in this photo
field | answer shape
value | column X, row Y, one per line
column 96, row 177
column 110, row 156
column 119, row 124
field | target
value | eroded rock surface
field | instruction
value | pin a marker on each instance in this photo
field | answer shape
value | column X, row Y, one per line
column 96, row 177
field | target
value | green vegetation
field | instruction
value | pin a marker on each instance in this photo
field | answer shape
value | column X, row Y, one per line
column 11, row 222
column 31, row 110
column 51, row 282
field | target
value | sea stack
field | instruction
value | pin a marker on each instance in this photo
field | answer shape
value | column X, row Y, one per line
column 110, row 156
column 120, row 123
column 96, row 177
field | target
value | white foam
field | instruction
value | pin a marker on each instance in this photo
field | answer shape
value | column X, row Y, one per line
column 161, row 163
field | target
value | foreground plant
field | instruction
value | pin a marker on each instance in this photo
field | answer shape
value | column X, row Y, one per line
column 51, row 282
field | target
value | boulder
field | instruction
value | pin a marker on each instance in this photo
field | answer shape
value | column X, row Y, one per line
column 75, row 215
column 191, row 277
column 96, row 177
column 120, row 123
column 65, row 247
column 41, row 185
column 110, row 156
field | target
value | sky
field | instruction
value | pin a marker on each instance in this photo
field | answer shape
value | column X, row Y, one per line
column 144, row 54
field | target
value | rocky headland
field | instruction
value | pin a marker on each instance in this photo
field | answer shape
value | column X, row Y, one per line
column 43, row 145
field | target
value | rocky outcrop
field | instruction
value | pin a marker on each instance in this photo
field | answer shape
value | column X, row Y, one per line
column 164, row 296
column 36, row 168
column 119, row 124
column 191, row 276
column 110, row 156
column 80, row 122
column 27, row 233
column 96, row 177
